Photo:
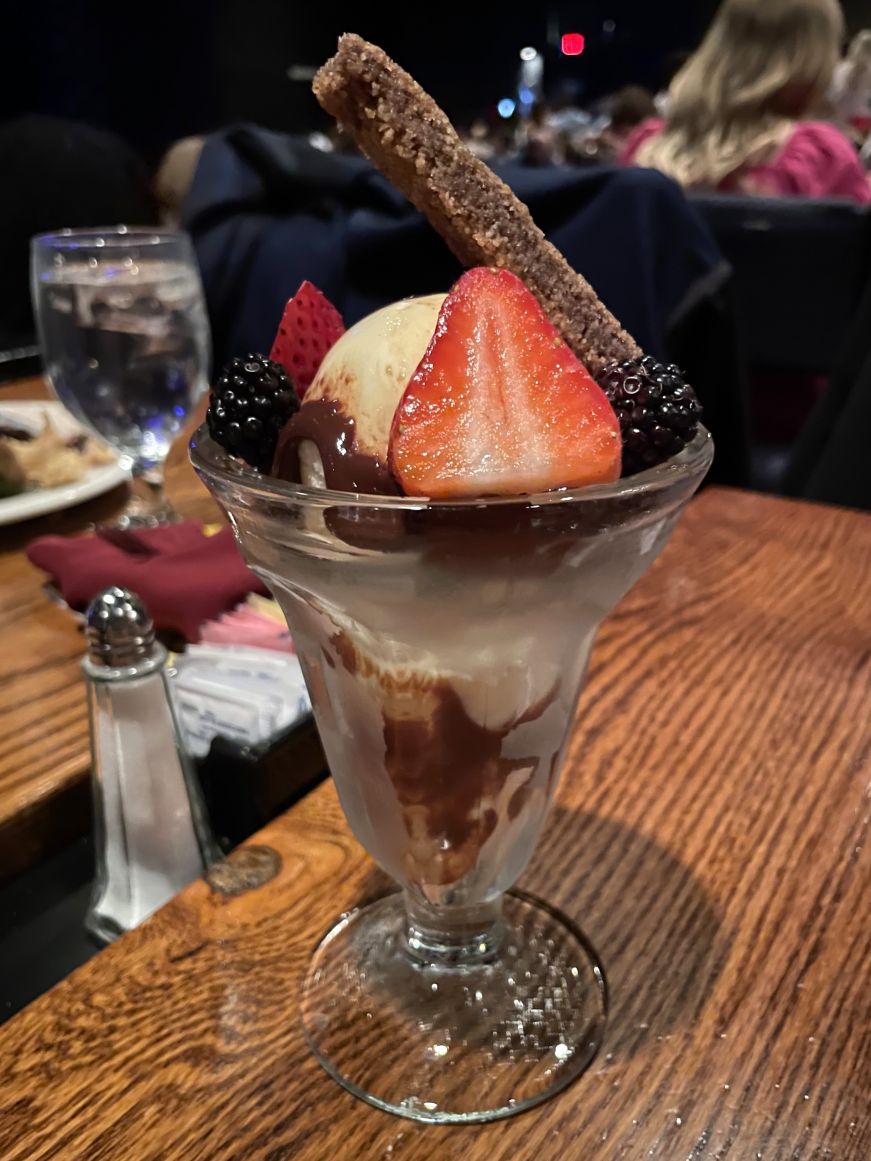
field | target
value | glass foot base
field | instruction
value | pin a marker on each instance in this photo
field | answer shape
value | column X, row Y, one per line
column 138, row 515
column 147, row 507
column 101, row 928
column 454, row 1044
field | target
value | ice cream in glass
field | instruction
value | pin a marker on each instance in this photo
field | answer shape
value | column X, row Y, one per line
column 446, row 499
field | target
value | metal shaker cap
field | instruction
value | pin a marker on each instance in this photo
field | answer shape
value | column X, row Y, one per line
column 119, row 629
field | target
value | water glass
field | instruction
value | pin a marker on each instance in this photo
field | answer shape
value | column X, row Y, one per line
column 125, row 337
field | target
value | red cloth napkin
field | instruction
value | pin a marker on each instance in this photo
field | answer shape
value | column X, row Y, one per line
column 184, row 577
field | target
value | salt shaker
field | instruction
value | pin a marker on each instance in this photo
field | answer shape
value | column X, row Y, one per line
column 150, row 827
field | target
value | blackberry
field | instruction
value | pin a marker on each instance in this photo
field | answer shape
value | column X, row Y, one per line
column 249, row 405
column 658, row 412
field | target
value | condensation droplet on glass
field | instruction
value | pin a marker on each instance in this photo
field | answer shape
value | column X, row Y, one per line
column 92, row 262
column 727, row 1087
column 562, row 1051
column 434, row 987
column 430, row 1106
column 678, row 1120
column 479, row 996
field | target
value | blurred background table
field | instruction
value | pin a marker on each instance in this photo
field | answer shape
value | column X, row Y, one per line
column 46, row 854
column 44, row 748
column 709, row 833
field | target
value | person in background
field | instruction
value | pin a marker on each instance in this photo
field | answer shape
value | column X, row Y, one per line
column 478, row 139
column 543, row 144
column 504, row 141
column 850, row 92
column 174, row 177
column 566, row 115
column 629, row 108
column 737, row 110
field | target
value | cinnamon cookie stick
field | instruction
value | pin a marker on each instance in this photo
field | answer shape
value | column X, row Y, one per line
column 404, row 132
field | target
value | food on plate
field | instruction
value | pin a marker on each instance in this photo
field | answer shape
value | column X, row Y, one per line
column 39, row 456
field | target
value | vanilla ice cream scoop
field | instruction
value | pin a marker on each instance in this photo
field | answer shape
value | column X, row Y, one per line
column 338, row 438
column 369, row 367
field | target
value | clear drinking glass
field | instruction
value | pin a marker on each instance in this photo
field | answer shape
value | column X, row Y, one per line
column 444, row 645
column 125, row 337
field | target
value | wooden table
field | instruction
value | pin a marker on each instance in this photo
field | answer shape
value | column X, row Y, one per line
column 709, row 833
column 44, row 749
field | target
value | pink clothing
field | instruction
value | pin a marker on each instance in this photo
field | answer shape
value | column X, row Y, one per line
column 817, row 161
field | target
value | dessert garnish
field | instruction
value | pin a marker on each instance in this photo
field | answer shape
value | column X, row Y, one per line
column 308, row 328
column 526, row 382
column 250, row 403
column 659, row 413
column 499, row 404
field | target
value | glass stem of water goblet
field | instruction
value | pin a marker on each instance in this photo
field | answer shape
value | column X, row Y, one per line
column 451, row 936
column 148, row 505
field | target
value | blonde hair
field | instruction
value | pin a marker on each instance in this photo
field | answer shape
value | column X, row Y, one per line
column 858, row 60
column 860, row 47
column 729, row 104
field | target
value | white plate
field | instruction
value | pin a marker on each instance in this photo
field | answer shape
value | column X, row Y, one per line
column 43, row 500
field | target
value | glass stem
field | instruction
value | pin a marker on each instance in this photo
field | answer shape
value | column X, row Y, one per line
column 453, row 936
column 150, row 488
column 148, row 504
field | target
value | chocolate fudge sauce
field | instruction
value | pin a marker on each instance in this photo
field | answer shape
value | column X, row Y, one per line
column 333, row 432
column 443, row 766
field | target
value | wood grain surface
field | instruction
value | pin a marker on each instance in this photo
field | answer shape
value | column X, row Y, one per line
column 44, row 750
column 709, row 834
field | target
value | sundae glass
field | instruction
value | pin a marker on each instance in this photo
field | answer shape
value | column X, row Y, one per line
column 444, row 646
column 446, row 500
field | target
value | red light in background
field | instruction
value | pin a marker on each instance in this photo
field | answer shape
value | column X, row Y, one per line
column 572, row 44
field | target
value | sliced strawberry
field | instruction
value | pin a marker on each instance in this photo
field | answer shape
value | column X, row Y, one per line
column 308, row 328
column 499, row 404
